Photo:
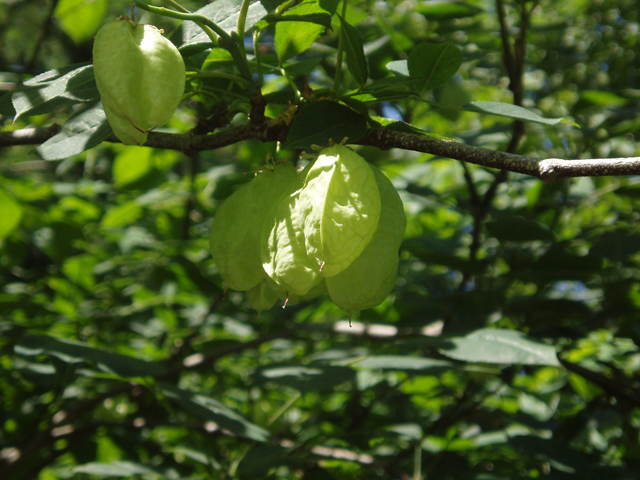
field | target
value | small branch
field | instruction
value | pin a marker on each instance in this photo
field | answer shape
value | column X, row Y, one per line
column 207, row 360
column 612, row 387
column 549, row 170
column 28, row 136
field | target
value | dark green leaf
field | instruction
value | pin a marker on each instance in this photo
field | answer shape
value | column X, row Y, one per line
column 356, row 61
column 117, row 469
column 616, row 245
column 261, row 459
column 293, row 38
column 84, row 130
column 225, row 14
column 320, row 121
column 305, row 378
column 211, row 410
column 304, row 67
column 426, row 366
column 433, row 64
column 519, row 229
column 55, row 89
column 73, row 352
column 405, row 127
column 511, row 111
column 446, row 9
column 320, row 18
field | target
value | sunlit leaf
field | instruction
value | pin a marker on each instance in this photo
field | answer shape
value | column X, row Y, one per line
column 72, row 352
column 510, row 111
column 499, row 346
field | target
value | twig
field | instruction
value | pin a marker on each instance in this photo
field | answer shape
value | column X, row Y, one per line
column 28, row 136
column 613, row 387
column 548, row 170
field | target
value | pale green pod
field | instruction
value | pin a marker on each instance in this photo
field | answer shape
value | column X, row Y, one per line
column 261, row 297
column 237, row 226
column 340, row 207
column 371, row 277
column 283, row 252
column 140, row 76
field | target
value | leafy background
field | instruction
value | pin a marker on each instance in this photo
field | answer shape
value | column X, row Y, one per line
column 509, row 348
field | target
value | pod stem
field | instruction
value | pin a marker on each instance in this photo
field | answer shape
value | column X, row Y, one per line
column 226, row 41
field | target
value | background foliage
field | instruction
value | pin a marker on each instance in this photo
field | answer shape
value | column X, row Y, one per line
column 509, row 348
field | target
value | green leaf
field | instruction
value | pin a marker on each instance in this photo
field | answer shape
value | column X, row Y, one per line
column 427, row 366
column 84, row 130
column 79, row 269
column 210, row 410
column 80, row 18
column 559, row 454
column 320, row 121
column 399, row 67
column 446, row 9
column 116, row 469
column 121, row 215
column 131, row 164
column 73, row 352
column 293, row 38
column 11, row 214
column 514, row 228
column 55, row 89
column 602, row 99
column 320, row 18
column 405, row 127
column 304, row 67
column 433, row 64
column 305, row 378
column 616, row 245
column 499, row 346
column 356, row 61
column 225, row 14
column 511, row 111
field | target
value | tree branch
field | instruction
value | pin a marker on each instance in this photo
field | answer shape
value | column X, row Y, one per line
column 28, row 136
column 548, row 170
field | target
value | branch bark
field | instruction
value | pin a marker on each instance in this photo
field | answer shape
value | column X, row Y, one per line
column 549, row 169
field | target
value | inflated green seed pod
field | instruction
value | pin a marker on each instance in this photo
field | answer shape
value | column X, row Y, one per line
column 340, row 208
column 282, row 247
column 140, row 76
column 237, row 226
column 371, row 277
column 261, row 297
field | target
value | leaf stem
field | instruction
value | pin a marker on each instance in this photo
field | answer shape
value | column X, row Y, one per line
column 225, row 40
column 256, row 53
column 242, row 18
column 338, row 77
column 194, row 17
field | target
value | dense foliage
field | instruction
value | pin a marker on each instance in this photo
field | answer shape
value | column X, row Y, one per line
column 509, row 347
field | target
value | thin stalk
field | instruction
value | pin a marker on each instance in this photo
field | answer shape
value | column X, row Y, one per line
column 417, row 463
column 278, row 414
column 336, row 81
column 226, row 41
column 256, row 36
column 194, row 17
column 242, row 19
